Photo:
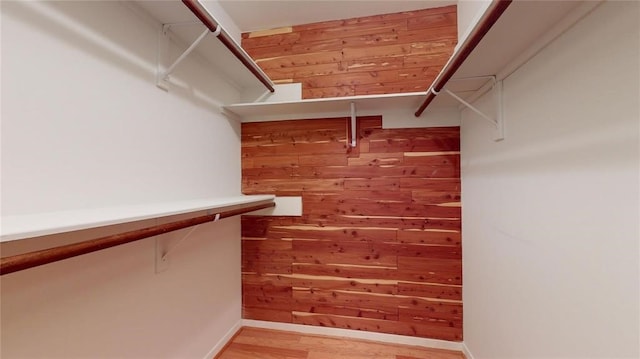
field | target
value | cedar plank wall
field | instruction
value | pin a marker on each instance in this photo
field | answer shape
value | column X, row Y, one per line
column 378, row 246
column 392, row 53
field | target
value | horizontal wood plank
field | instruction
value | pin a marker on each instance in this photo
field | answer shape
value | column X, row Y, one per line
column 269, row 315
column 346, row 284
column 385, row 326
column 325, row 92
column 348, row 57
column 427, row 290
column 380, row 235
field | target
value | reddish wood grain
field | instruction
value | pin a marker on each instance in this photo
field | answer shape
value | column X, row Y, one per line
column 431, row 184
column 423, row 290
column 346, row 284
column 369, row 183
column 342, row 252
column 431, row 21
column 378, row 325
column 390, row 53
column 266, row 285
column 311, row 305
column 374, row 64
column 382, row 303
column 280, row 303
column 321, row 92
column 351, row 272
column 431, row 236
column 419, row 229
column 269, row 315
column 316, row 58
column 450, row 313
column 271, row 40
column 395, row 87
column 378, row 246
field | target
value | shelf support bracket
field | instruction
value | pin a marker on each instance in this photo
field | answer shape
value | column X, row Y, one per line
column 353, row 125
column 496, row 122
column 163, row 250
column 162, row 75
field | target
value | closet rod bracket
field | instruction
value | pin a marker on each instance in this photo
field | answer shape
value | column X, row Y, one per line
column 162, row 248
column 162, row 74
column 353, row 125
column 497, row 121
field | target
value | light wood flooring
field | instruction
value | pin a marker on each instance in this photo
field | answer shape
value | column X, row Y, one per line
column 257, row 343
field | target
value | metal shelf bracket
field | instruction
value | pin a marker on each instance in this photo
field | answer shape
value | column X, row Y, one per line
column 162, row 249
column 353, row 125
column 162, row 72
column 496, row 122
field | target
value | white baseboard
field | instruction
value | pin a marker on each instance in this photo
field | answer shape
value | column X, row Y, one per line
column 466, row 351
column 224, row 340
column 356, row 334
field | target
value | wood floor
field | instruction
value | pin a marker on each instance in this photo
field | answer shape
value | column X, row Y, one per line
column 256, row 343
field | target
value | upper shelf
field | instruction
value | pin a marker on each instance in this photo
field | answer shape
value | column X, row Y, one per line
column 336, row 106
column 40, row 224
column 502, row 49
column 513, row 34
column 187, row 20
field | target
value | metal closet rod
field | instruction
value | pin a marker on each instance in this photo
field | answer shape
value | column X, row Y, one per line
column 33, row 259
column 205, row 17
column 490, row 17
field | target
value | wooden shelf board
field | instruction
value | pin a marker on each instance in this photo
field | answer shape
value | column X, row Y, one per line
column 40, row 224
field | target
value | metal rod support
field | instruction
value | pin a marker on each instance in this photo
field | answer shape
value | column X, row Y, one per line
column 186, row 53
column 472, row 108
column 205, row 17
column 353, row 124
column 491, row 16
column 166, row 254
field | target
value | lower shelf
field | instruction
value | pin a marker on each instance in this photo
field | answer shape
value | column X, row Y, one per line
column 41, row 224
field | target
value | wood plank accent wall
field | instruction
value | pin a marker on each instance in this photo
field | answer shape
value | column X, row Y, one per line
column 378, row 246
column 392, row 53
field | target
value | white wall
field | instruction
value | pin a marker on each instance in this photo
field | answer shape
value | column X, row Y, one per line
column 83, row 125
column 220, row 14
column 551, row 254
column 468, row 13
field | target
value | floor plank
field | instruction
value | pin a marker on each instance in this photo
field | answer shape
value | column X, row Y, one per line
column 258, row 343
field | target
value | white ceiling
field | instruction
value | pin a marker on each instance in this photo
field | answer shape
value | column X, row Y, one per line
column 252, row 15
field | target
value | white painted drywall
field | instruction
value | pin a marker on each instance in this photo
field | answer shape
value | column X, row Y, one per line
column 283, row 92
column 469, row 11
column 83, row 126
column 431, row 117
column 220, row 14
column 111, row 304
column 285, row 206
column 550, row 230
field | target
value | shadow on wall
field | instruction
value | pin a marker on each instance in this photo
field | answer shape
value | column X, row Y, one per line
column 554, row 156
column 129, row 44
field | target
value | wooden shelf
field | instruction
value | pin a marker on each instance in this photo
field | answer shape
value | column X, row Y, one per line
column 514, row 36
column 40, row 224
